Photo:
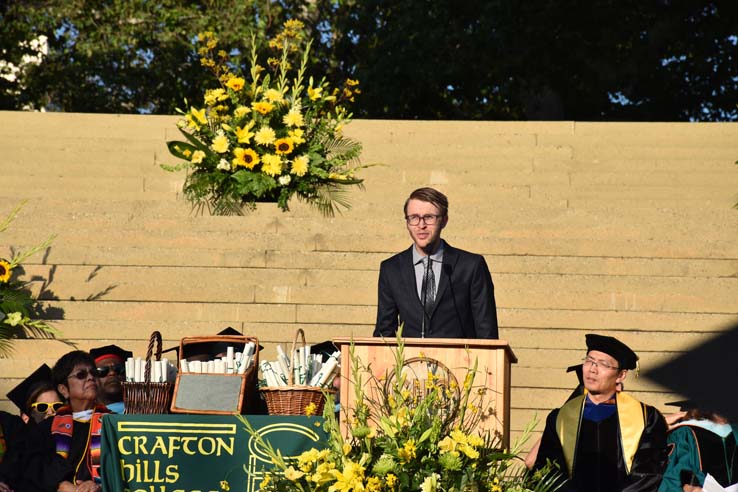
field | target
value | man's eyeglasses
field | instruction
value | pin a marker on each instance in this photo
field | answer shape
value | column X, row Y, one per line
column 82, row 374
column 589, row 361
column 103, row 371
column 43, row 407
column 429, row 219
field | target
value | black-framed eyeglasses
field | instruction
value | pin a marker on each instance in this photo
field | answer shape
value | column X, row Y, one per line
column 588, row 361
column 82, row 374
column 428, row 219
column 119, row 369
column 43, row 407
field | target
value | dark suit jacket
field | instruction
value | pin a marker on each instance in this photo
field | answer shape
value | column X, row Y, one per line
column 465, row 301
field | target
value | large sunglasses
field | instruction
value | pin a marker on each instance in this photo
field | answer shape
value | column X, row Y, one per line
column 43, row 407
column 82, row 374
column 119, row 369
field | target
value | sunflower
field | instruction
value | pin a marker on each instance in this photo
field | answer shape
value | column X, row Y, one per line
column 262, row 107
column 5, row 271
column 283, row 146
column 245, row 157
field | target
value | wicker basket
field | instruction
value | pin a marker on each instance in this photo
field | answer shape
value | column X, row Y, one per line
column 148, row 397
column 293, row 399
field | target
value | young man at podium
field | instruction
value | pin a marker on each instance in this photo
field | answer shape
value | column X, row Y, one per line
column 434, row 289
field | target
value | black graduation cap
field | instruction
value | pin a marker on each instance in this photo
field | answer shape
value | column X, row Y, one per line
column 627, row 359
column 210, row 349
column 324, row 349
column 107, row 350
column 20, row 394
column 705, row 374
column 579, row 369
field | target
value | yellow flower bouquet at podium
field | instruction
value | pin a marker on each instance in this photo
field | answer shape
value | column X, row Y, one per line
column 268, row 135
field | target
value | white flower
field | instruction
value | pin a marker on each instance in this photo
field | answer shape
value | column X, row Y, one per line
column 13, row 319
column 284, row 180
column 430, row 484
column 224, row 165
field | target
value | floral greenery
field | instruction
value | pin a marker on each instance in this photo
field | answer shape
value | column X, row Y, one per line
column 400, row 442
column 18, row 307
column 269, row 135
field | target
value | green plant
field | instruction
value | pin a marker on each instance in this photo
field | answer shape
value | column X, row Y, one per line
column 411, row 437
column 268, row 135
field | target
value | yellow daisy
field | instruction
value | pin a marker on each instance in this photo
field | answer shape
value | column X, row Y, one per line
column 296, row 136
column 283, row 146
column 212, row 96
column 271, row 164
column 220, row 143
column 5, row 271
column 262, row 107
column 235, row 83
column 241, row 111
column 300, row 165
column 293, row 118
column 197, row 157
column 274, row 96
column 265, row 136
column 245, row 157
column 314, row 93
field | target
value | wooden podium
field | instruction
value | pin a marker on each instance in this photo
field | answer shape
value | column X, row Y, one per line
column 457, row 355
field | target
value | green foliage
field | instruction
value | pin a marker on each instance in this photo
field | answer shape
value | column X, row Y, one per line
column 407, row 434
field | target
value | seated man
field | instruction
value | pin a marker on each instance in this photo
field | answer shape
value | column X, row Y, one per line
column 605, row 440
column 110, row 372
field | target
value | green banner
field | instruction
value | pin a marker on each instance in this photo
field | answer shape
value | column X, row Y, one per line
column 194, row 453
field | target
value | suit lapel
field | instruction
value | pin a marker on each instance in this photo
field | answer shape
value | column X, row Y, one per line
column 408, row 274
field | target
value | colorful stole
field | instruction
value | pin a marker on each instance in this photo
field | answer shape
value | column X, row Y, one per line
column 631, row 420
column 3, row 444
column 62, row 427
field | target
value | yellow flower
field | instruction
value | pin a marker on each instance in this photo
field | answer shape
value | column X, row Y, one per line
column 314, row 93
column 265, row 136
column 220, row 143
column 262, row 107
column 310, row 409
column 296, row 136
column 196, row 117
column 271, row 164
column 186, row 152
column 293, row 118
column 197, row 157
column 430, row 484
column 224, row 486
column 391, row 480
column 265, row 482
column 5, row 271
column 283, row 146
column 294, row 475
column 299, row 165
column 407, row 452
column 351, row 479
column 245, row 158
column 373, row 484
column 447, row 445
column 13, row 319
column 244, row 134
column 352, row 82
column 274, row 96
column 235, row 83
column 212, row 96
column 241, row 111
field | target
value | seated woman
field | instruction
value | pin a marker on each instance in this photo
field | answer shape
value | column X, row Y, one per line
column 70, row 441
column 702, row 442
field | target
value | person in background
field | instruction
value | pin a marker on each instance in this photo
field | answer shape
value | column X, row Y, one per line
column 110, row 368
column 36, row 396
column 12, row 445
column 702, row 442
column 68, row 454
column 433, row 289
column 604, row 440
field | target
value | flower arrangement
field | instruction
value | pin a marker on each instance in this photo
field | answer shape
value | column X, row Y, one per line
column 408, row 439
column 17, row 304
column 268, row 135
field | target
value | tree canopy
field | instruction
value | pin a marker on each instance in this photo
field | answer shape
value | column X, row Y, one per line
column 427, row 59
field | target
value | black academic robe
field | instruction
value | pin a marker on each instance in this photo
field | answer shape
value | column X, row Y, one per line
column 599, row 464
column 14, row 437
column 695, row 451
